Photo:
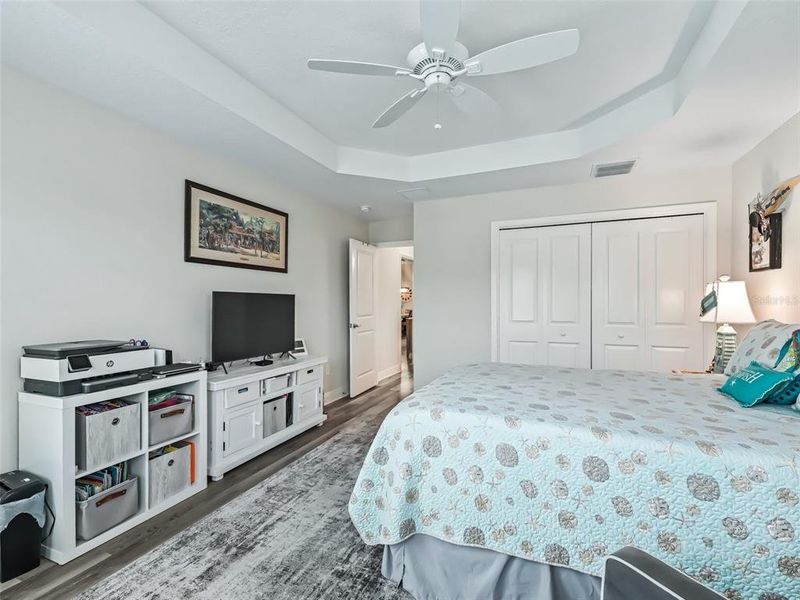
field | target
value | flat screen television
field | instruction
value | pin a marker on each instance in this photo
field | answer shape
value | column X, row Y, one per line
column 245, row 325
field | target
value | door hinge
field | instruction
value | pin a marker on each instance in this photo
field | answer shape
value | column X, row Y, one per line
column 223, row 426
column 223, row 446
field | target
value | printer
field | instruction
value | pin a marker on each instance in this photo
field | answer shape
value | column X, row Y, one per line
column 67, row 368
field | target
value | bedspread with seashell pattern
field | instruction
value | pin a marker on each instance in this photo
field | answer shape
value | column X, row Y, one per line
column 564, row 466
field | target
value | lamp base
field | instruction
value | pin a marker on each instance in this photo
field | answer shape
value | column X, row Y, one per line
column 725, row 347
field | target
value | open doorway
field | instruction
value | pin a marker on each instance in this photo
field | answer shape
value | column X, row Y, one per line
column 394, row 311
column 407, row 316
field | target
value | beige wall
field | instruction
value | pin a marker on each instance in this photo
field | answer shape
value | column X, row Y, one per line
column 452, row 251
column 776, row 293
column 92, row 240
column 392, row 230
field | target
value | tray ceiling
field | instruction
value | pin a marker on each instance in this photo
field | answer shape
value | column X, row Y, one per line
column 231, row 77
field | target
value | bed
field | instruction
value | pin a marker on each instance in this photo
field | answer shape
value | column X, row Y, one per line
column 548, row 470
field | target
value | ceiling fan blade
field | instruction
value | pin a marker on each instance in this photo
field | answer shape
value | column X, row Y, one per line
column 399, row 108
column 474, row 101
column 439, row 20
column 525, row 53
column 355, row 68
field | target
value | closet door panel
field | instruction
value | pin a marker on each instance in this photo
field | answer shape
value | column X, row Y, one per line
column 617, row 310
column 565, row 278
column 619, row 357
column 544, row 297
column 524, row 281
column 673, row 277
column 621, row 266
column 567, row 262
column 519, row 324
column 561, row 354
column 647, row 284
column 523, row 353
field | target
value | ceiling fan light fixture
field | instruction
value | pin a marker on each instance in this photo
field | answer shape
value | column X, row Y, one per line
column 439, row 60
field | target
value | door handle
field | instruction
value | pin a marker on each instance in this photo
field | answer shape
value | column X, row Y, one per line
column 620, row 336
column 354, row 325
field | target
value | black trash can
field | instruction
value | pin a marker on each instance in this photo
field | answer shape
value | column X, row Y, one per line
column 21, row 512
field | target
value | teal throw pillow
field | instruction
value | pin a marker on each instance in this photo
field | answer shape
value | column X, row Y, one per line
column 789, row 394
column 755, row 384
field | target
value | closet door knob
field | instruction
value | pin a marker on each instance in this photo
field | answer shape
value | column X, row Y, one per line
column 620, row 336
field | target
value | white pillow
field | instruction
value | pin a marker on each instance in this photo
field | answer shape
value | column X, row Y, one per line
column 762, row 343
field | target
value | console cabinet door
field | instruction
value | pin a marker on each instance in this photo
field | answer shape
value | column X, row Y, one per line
column 242, row 428
column 307, row 401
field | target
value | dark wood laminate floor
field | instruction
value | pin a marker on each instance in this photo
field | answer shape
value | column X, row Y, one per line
column 52, row 581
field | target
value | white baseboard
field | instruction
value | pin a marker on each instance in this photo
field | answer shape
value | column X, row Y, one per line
column 334, row 395
column 393, row 370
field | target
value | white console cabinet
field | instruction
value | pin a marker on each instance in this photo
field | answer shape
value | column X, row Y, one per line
column 245, row 404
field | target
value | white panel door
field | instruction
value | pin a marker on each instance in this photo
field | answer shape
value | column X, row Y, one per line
column 363, row 302
column 543, row 296
column 647, row 281
column 617, row 308
column 673, row 287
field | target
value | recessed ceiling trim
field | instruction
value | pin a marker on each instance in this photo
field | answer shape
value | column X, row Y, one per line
column 127, row 24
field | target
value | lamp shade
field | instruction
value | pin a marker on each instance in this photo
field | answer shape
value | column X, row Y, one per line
column 733, row 304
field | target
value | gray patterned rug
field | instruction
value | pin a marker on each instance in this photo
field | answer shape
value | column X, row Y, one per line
column 289, row 537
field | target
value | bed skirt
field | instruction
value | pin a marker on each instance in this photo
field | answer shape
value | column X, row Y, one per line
column 431, row 569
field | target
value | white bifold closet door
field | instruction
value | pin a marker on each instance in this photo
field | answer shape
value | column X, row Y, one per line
column 544, row 296
column 647, row 282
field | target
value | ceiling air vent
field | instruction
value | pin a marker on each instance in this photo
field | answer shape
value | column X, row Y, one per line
column 615, row 168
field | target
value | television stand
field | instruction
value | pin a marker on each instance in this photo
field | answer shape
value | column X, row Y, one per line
column 244, row 420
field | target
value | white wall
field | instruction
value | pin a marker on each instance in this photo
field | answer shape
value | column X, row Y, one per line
column 387, row 327
column 452, row 251
column 392, row 230
column 92, row 240
column 776, row 293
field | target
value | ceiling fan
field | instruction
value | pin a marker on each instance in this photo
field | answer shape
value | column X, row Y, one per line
column 440, row 61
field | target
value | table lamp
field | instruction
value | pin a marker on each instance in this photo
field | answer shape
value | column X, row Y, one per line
column 732, row 306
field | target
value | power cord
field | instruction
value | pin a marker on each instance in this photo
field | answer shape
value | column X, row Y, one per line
column 50, row 510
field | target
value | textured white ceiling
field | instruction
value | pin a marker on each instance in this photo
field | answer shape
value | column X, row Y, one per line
column 623, row 44
column 748, row 89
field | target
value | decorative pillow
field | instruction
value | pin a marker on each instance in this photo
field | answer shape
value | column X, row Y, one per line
column 755, row 384
column 789, row 357
column 762, row 343
column 788, row 395
column 789, row 362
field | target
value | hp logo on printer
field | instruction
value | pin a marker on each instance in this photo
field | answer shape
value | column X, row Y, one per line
column 109, row 363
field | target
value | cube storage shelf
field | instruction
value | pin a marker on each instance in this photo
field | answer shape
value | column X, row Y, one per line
column 47, row 447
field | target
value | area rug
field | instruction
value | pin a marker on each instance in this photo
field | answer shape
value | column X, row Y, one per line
column 289, row 537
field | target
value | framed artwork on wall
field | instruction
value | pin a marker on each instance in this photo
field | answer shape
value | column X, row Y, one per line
column 765, row 217
column 765, row 241
column 223, row 229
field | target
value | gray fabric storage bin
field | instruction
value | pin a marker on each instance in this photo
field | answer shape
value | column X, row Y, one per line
column 274, row 415
column 103, row 511
column 169, row 474
column 171, row 421
column 106, row 437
